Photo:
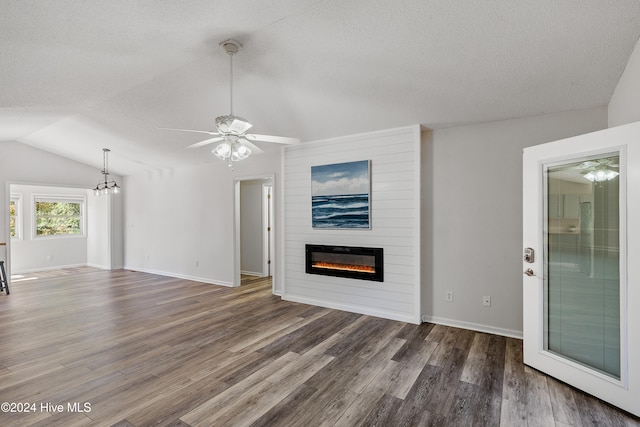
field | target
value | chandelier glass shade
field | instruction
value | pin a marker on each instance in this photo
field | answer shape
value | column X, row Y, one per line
column 106, row 185
column 231, row 150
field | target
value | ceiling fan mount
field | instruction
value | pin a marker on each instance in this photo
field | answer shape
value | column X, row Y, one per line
column 231, row 46
column 235, row 143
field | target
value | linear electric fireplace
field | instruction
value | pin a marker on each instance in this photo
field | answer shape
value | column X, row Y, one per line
column 345, row 261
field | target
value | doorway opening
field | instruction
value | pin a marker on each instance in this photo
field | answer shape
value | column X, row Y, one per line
column 253, row 228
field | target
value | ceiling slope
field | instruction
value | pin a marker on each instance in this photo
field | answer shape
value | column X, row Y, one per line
column 78, row 76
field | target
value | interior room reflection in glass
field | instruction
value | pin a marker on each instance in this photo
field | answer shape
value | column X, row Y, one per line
column 582, row 268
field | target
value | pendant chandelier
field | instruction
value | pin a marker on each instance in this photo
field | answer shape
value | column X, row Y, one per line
column 106, row 186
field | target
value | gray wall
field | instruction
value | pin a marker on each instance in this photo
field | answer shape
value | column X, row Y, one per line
column 180, row 222
column 472, row 216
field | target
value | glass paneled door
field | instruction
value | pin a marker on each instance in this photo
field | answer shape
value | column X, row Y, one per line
column 580, row 235
column 582, row 261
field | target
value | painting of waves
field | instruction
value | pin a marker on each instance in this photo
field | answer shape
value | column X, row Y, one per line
column 343, row 211
column 340, row 195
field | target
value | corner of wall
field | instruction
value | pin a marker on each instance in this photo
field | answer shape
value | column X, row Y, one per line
column 624, row 106
column 426, row 218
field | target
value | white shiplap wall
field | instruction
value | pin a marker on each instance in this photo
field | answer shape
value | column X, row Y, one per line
column 395, row 224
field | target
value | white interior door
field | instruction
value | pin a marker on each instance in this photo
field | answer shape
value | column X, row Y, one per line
column 581, row 282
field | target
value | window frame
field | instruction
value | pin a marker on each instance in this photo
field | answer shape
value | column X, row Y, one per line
column 50, row 198
column 16, row 198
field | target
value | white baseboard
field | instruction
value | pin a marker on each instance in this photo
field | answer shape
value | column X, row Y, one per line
column 512, row 333
column 352, row 308
column 180, row 276
column 101, row 267
column 252, row 273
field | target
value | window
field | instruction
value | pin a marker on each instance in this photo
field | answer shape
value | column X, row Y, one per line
column 15, row 214
column 58, row 216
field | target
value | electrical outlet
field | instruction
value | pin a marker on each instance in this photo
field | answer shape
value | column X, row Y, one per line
column 449, row 296
column 486, row 301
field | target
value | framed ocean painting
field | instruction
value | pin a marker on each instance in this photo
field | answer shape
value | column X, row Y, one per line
column 340, row 195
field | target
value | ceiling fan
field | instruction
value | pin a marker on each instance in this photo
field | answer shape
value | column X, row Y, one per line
column 600, row 169
column 235, row 143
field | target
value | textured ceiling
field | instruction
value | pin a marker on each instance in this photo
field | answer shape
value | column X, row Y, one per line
column 81, row 75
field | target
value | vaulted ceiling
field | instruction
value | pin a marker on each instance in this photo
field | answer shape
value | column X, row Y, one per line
column 80, row 75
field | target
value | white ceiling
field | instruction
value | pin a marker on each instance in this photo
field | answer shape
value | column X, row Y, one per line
column 80, row 75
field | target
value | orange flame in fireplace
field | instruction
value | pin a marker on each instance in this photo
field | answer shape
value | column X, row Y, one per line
column 346, row 267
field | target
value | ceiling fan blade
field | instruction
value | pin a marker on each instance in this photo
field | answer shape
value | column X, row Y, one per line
column 587, row 164
column 192, row 130
column 270, row 138
column 237, row 126
column 253, row 147
column 205, row 142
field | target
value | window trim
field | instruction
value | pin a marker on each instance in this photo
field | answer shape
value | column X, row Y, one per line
column 17, row 199
column 82, row 200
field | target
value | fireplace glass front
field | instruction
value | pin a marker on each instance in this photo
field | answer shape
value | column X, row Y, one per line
column 345, row 261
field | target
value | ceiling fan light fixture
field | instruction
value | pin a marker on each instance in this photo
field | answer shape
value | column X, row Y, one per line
column 232, row 151
column 600, row 175
column 236, row 144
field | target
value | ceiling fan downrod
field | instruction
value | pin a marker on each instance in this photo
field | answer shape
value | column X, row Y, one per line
column 231, row 47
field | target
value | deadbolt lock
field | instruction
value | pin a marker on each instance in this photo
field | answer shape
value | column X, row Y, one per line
column 528, row 255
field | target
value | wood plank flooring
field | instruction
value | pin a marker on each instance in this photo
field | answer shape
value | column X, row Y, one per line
column 146, row 350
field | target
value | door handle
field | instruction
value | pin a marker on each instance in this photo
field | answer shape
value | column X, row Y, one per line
column 529, row 272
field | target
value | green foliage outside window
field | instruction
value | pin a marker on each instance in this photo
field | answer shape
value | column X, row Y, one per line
column 12, row 218
column 58, row 218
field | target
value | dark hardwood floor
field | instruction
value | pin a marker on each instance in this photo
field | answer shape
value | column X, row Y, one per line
column 126, row 348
